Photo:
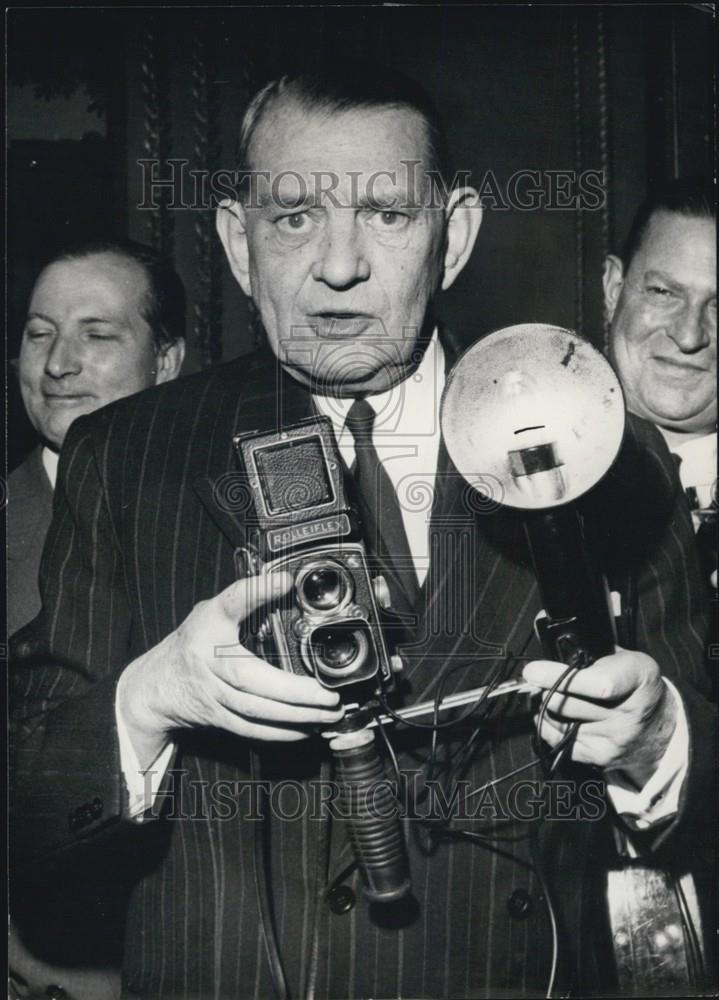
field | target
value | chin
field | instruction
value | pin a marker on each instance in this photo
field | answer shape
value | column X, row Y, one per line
column 343, row 384
column 345, row 367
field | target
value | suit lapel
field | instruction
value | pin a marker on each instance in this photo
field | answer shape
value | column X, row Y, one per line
column 30, row 510
column 223, row 492
column 479, row 600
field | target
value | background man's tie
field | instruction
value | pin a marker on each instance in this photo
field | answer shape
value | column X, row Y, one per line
column 382, row 517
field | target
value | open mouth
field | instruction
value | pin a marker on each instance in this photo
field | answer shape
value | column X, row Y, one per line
column 341, row 325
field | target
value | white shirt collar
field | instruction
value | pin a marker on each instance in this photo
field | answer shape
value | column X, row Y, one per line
column 698, row 456
column 406, row 436
column 49, row 462
column 408, row 410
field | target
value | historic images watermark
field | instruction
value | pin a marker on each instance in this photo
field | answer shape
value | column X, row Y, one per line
column 527, row 800
column 174, row 184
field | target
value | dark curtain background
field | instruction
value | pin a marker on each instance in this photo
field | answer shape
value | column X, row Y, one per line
column 623, row 91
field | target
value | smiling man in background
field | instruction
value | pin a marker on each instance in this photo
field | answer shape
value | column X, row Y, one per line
column 105, row 320
column 660, row 297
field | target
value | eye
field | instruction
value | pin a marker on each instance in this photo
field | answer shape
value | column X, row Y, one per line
column 298, row 222
column 388, row 219
column 37, row 333
column 660, row 291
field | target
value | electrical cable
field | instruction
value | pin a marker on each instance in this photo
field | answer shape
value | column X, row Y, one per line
column 466, row 751
column 262, row 889
column 321, row 875
column 489, row 841
column 539, row 872
column 390, row 750
column 570, row 733
column 486, row 840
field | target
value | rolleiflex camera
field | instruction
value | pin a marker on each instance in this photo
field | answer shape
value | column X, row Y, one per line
column 303, row 523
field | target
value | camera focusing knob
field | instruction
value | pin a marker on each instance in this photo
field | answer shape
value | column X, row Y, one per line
column 301, row 627
column 381, row 592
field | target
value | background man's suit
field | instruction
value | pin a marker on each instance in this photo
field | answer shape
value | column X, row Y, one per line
column 140, row 537
column 29, row 516
column 65, row 929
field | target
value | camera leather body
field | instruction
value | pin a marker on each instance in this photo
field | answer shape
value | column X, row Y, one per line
column 302, row 521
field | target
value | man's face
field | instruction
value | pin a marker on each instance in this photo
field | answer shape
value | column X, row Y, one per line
column 345, row 250
column 663, row 323
column 85, row 341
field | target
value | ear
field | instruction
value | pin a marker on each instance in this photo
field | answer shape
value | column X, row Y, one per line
column 464, row 217
column 231, row 225
column 169, row 361
column 613, row 281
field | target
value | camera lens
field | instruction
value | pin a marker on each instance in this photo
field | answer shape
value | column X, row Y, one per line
column 340, row 649
column 323, row 587
column 335, row 647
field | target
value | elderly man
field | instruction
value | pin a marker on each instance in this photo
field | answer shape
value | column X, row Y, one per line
column 105, row 320
column 143, row 706
column 661, row 301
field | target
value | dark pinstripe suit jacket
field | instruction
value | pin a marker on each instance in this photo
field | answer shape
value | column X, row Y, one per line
column 138, row 539
column 28, row 518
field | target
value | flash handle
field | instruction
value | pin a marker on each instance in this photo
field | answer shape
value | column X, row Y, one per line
column 578, row 625
column 369, row 808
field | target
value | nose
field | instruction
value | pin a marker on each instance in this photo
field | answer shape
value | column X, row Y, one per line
column 63, row 357
column 692, row 330
column 342, row 261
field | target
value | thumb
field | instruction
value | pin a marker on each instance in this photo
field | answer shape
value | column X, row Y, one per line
column 243, row 597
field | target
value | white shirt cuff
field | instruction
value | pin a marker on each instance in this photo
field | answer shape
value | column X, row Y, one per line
column 658, row 800
column 142, row 786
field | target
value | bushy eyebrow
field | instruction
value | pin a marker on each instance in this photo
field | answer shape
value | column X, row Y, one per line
column 653, row 274
column 388, row 201
column 39, row 315
column 287, row 203
column 84, row 321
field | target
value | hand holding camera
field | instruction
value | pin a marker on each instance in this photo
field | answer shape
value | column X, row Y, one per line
column 200, row 675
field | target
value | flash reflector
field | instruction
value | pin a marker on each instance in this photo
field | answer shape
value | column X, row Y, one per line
column 537, row 408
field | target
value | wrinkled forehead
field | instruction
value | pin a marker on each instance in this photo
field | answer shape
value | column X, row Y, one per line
column 343, row 157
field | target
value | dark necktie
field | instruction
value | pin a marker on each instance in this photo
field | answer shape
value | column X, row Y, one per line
column 384, row 528
column 704, row 520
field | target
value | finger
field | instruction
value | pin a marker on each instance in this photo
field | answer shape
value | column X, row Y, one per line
column 549, row 731
column 610, row 678
column 249, row 673
column 566, row 708
column 243, row 597
column 265, row 710
column 258, row 731
column 546, row 673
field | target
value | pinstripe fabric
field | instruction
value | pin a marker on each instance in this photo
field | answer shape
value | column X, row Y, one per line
column 137, row 541
column 29, row 513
